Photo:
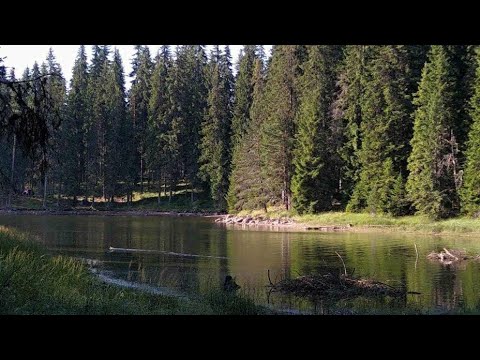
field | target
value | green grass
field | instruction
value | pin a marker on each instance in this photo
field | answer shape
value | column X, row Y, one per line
column 376, row 222
column 33, row 282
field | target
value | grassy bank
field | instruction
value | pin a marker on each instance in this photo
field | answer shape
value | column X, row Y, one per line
column 146, row 201
column 33, row 282
column 370, row 222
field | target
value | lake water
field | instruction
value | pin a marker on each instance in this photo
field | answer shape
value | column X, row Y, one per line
column 195, row 254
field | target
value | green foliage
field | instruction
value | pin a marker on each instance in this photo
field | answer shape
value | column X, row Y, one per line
column 278, row 129
column 433, row 163
column 138, row 102
column 470, row 191
column 385, row 128
column 347, row 111
column 73, row 128
column 315, row 181
column 162, row 150
column 189, row 103
column 315, row 128
column 243, row 93
column 215, row 141
column 247, row 181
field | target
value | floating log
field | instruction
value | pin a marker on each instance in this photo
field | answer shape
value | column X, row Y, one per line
column 125, row 250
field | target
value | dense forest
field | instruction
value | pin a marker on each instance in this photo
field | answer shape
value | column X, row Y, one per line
column 386, row 129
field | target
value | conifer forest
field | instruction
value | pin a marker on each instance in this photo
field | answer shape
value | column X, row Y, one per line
column 384, row 129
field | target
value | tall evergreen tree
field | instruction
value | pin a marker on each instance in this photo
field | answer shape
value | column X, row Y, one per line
column 281, row 92
column 116, row 149
column 189, row 96
column 385, row 130
column 248, row 179
column 243, row 98
column 215, row 145
column 139, row 98
column 463, row 63
column 315, row 181
column 56, row 90
column 73, row 128
column 433, row 163
column 348, row 112
column 93, row 139
column 470, row 190
column 162, row 154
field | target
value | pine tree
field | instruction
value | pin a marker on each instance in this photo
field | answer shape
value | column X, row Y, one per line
column 73, row 128
column 215, row 152
column 348, row 112
column 56, row 89
column 470, row 190
column 278, row 130
column 247, row 182
column 433, row 163
column 315, row 181
column 243, row 93
column 161, row 151
column 385, row 129
column 139, row 98
column 462, row 59
column 93, row 139
column 116, row 149
column 243, row 98
column 189, row 101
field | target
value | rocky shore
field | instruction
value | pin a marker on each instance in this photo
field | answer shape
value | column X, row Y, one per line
column 285, row 222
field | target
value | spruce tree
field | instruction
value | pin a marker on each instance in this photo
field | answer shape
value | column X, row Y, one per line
column 278, row 130
column 161, row 150
column 243, row 93
column 470, row 190
column 93, row 141
column 315, row 182
column 139, row 98
column 189, row 102
column 215, row 153
column 348, row 112
column 73, row 128
column 243, row 98
column 248, row 179
column 116, row 149
column 433, row 163
column 385, row 129
column 56, row 89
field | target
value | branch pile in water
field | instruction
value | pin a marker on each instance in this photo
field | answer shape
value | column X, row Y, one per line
column 335, row 287
column 448, row 257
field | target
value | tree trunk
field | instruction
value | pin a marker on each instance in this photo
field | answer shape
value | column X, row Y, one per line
column 191, row 194
column 141, row 174
column 45, row 191
column 159, row 188
column 164, row 185
column 12, row 177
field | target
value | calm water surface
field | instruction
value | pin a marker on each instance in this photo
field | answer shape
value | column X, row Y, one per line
column 247, row 255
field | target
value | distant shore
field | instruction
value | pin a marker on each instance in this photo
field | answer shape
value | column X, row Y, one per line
column 106, row 212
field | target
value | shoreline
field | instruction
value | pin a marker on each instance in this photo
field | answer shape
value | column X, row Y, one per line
column 276, row 222
column 106, row 213
column 249, row 222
